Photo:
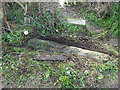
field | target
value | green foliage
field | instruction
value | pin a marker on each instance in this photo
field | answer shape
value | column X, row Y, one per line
column 43, row 24
column 46, row 23
column 66, row 81
column 108, row 68
column 109, row 23
column 113, row 51
column 15, row 13
column 9, row 37
column 15, row 36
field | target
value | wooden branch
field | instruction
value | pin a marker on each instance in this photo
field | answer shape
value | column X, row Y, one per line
column 104, row 8
column 25, row 10
column 7, row 24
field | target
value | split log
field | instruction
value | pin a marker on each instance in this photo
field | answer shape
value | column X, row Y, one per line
column 68, row 51
column 44, row 44
column 79, row 52
column 53, row 58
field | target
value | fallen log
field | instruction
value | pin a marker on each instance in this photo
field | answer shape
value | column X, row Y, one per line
column 67, row 51
column 79, row 52
column 52, row 58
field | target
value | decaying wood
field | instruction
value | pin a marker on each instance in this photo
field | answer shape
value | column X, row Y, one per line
column 71, row 51
column 79, row 52
column 68, row 51
column 53, row 58
column 44, row 44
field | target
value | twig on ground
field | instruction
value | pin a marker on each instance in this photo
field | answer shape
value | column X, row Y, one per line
column 10, row 31
column 7, row 24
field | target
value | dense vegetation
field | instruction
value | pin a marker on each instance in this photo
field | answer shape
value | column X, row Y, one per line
column 109, row 22
column 48, row 24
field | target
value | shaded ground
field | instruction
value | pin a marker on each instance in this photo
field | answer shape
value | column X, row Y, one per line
column 82, row 39
column 26, row 72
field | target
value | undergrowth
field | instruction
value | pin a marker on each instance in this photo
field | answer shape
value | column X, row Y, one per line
column 18, row 65
column 109, row 22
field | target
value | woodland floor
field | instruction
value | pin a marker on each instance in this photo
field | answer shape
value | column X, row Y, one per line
column 45, row 74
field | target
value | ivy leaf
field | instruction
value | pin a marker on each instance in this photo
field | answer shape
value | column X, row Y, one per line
column 68, row 72
column 47, row 74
